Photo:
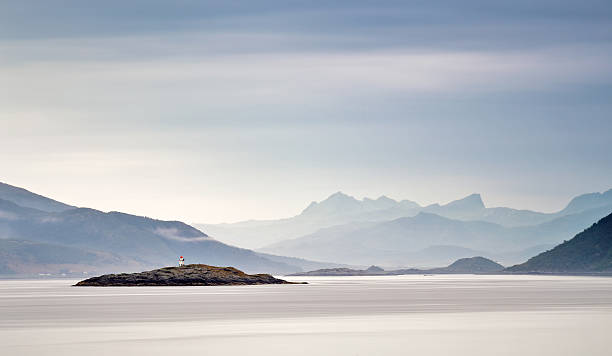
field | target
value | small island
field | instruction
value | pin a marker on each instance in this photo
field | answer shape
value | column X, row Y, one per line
column 189, row 275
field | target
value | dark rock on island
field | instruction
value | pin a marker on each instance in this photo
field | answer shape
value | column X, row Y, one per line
column 189, row 275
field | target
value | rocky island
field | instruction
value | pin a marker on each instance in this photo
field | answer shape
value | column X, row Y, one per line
column 189, row 275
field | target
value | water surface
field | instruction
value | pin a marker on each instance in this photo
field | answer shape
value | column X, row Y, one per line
column 383, row 315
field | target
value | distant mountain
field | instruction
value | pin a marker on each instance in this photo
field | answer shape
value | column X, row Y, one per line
column 340, row 205
column 47, row 235
column 437, row 255
column 32, row 258
column 302, row 264
column 338, row 209
column 79, row 238
column 28, row 199
column 589, row 251
column 401, row 242
column 468, row 208
column 471, row 265
column 371, row 271
column 587, row 201
column 342, row 209
column 428, row 240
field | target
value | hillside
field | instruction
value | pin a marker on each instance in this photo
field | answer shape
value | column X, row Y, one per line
column 83, row 239
column 33, row 258
column 589, row 251
column 27, row 199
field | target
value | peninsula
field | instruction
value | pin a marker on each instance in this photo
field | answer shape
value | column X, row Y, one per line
column 189, row 275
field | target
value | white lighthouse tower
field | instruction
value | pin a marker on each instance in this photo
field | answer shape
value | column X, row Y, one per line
column 181, row 261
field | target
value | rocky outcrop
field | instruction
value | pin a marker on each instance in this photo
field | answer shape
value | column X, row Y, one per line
column 189, row 275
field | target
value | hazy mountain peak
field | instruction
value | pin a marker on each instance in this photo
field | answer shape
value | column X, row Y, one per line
column 468, row 208
column 340, row 204
column 386, row 200
column 425, row 216
column 339, row 200
column 472, row 201
column 311, row 205
column 421, row 218
column 339, row 195
column 409, row 204
column 27, row 199
column 588, row 201
column 381, row 203
column 334, row 204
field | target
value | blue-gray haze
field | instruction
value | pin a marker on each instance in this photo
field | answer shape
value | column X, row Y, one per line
column 220, row 111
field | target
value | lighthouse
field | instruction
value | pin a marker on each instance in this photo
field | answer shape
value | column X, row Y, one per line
column 181, row 261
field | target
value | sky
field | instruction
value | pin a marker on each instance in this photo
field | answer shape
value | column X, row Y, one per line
column 223, row 111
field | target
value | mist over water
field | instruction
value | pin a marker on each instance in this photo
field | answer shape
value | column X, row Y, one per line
column 389, row 315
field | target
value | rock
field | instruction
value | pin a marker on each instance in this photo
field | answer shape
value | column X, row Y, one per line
column 189, row 275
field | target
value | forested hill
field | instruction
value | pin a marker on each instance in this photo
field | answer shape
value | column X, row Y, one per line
column 589, row 251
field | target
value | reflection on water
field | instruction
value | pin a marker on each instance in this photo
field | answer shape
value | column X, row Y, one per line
column 386, row 315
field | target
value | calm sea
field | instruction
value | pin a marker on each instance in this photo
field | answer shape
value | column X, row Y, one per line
column 387, row 315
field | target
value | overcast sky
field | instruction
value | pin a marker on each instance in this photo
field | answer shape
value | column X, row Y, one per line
column 231, row 110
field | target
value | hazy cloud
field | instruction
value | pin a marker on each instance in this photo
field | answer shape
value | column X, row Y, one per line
column 214, row 111
column 174, row 234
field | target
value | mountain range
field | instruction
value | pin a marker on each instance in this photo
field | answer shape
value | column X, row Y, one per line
column 432, row 240
column 41, row 235
column 341, row 209
column 470, row 265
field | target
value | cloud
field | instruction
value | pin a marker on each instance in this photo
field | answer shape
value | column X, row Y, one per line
column 175, row 234
column 51, row 219
column 219, row 83
column 7, row 215
column 281, row 102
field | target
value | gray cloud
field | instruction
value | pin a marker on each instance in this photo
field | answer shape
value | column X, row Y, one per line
column 210, row 106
